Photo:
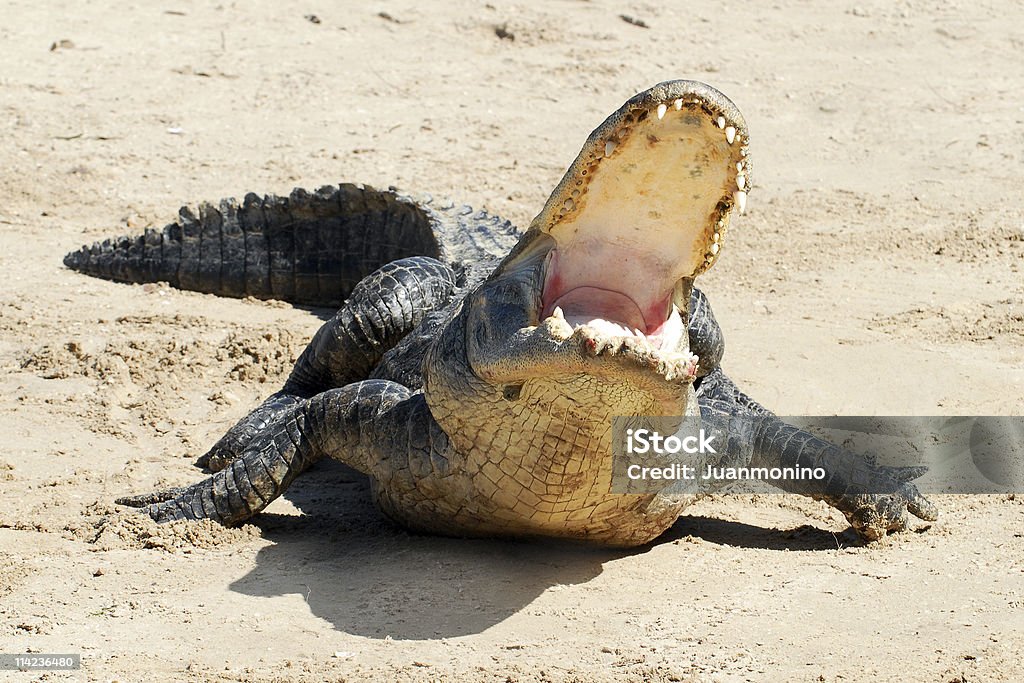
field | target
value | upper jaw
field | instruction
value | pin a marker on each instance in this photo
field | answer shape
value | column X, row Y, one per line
column 643, row 208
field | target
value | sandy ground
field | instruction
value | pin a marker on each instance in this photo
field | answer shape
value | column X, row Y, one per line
column 878, row 271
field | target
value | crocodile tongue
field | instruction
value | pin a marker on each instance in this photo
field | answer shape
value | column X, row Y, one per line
column 585, row 293
column 615, row 302
column 666, row 336
column 590, row 304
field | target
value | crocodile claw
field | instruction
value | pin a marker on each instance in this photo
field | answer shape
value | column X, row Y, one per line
column 142, row 500
column 872, row 516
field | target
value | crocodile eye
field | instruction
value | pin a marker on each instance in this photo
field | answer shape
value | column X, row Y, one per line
column 511, row 392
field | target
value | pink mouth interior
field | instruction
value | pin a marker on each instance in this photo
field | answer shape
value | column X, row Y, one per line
column 591, row 303
column 616, row 297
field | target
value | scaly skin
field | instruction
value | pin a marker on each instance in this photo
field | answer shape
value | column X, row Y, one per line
column 479, row 396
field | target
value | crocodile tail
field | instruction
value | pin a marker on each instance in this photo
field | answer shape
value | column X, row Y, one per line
column 307, row 248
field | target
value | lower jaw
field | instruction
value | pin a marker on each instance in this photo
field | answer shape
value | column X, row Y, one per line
column 616, row 315
column 583, row 304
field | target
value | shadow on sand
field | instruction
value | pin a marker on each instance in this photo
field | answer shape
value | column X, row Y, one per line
column 741, row 535
column 369, row 577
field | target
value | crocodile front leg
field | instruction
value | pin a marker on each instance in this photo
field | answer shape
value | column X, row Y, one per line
column 382, row 309
column 342, row 423
column 706, row 339
column 875, row 499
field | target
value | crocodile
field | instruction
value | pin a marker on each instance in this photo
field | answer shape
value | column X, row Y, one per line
column 473, row 370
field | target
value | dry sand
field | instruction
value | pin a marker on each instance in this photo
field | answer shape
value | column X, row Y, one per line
column 878, row 271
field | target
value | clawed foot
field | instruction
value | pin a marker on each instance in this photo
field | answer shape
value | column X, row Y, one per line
column 873, row 515
column 159, row 505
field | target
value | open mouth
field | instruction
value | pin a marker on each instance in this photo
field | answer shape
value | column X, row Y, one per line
column 645, row 206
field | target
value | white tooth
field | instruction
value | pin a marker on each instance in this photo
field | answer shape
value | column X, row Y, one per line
column 609, row 147
column 557, row 313
column 678, row 104
column 739, row 165
column 661, row 111
column 730, row 134
column 741, row 200
column 715, row 248
column 741, row 182
column 721, row 122
column 638, row 333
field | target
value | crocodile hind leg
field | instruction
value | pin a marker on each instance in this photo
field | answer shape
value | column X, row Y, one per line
column 384, row 307
column 339, row 423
